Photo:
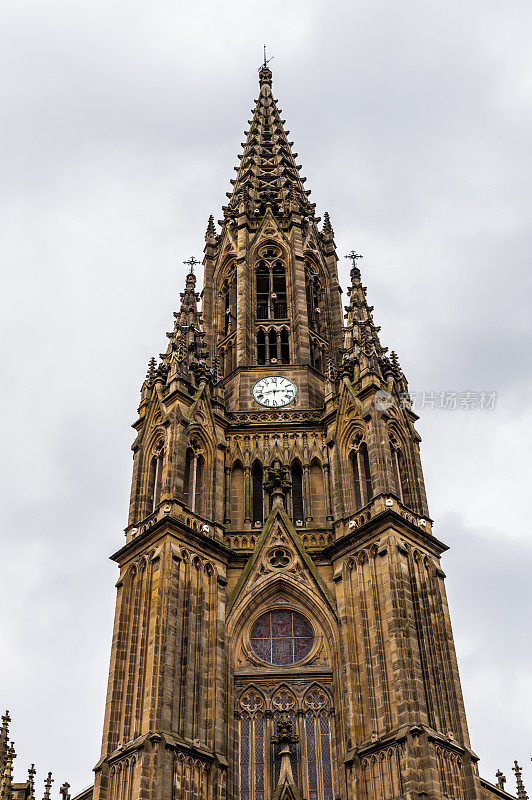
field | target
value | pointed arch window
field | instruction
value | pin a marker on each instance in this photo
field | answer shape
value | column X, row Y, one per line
column 362, row 483
column 272, row 346
column 297, row 491
column 316, row 355
column 193, row 480
column 400, row 474
column 261, row 346
column 314, row 298
column 228, row 302
column 257, row 493
column 270, row 284
column 155, row 479
column 285, row 347
column 308, row 710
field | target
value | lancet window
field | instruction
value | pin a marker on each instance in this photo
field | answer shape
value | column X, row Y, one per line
column 257, row 493
column 317, row 354
column 270, row 282
column 155, row 479
column 228, row 302
column 193, row 489
column 296, row 474
column 400, row 474
column 362, row 484
column 314, row 298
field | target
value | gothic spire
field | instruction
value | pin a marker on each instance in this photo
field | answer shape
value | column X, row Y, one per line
column 6, row 779
column 521, row 791
column 362, row 347
column 31, row 781
column 186, row 352
column 268, row 173
column 47, row 786
column 4, row 740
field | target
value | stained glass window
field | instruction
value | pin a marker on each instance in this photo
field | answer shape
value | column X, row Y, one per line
column 282, row 637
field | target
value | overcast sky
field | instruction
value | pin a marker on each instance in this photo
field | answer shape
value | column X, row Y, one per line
column 120, row 127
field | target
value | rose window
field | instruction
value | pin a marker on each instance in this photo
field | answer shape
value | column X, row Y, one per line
column 282, row 637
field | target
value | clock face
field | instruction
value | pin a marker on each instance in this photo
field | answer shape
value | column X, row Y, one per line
column 274, row 391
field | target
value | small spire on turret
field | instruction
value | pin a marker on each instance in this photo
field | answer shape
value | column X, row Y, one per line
column 327, row 227
column 152, row 365
column 211, row 230
column 521, row 791
column 4, row 740
column 6, row 782
column 501, row 780
column 396, row 367
column 31, row 781
column 47, row 786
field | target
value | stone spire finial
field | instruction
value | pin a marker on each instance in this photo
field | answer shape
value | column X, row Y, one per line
column 47, row 786
column 327, row 227
column 63, row 791
column 4, row 740
column 152, row 367
column 501, row 780
column 211, row 230
column 31, row 780
column 521, row 791
column 6, row 784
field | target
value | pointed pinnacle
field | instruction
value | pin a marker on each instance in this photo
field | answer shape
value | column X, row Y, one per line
column 47, row 786
column 211, row 230
column 521, row 791
column 327, row 227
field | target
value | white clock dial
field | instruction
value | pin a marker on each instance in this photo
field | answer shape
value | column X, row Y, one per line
column 274, row 391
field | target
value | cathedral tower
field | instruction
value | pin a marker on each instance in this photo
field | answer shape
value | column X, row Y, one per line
column 281, row 625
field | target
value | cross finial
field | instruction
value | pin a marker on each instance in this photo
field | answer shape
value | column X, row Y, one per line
column 31, row 780
column 352, row 256
column 47, row 786
column 192, row 262
column 266, row 61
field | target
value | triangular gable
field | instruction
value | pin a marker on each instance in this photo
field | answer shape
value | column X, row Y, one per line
column 279, row 531
column 346, row 401
column 156, row 405
column 269, row 229
column 201, row 413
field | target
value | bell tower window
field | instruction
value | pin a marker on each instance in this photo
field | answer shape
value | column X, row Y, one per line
column 273, row 347
column 270, row 284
